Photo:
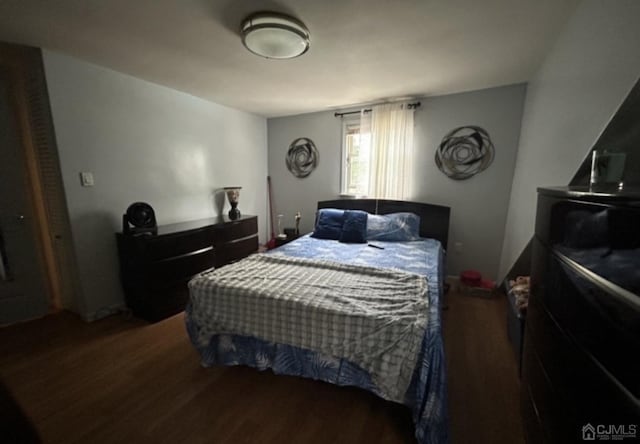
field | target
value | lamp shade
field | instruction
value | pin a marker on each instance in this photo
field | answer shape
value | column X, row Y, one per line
column 275, row 36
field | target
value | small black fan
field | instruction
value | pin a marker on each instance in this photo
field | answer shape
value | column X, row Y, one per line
column 142, row 217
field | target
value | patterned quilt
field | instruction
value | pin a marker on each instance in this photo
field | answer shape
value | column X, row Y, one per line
column 374, row 317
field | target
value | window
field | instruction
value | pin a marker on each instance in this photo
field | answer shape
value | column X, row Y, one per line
column 377, row 153
column 356, row 157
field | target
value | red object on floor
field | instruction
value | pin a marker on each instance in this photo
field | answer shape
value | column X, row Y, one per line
column 472, row 278
column 488, row 284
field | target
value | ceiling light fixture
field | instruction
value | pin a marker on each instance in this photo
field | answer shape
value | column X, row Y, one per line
column 274, row 36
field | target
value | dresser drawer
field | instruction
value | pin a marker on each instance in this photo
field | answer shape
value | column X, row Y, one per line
column 579, row 225
column 160, row 273
column 553, row 421
column 597, row 319
column 564, row 220
column 236, row 230
column 586, row 391
column 530, row 419
column 178, row 244
column 236, row 250
column 136, row 250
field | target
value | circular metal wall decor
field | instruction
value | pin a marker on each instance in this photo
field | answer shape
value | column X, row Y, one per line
column 464, row 152
column 302, row 157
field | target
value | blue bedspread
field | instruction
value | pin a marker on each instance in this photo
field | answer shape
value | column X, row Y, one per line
column 427, row 394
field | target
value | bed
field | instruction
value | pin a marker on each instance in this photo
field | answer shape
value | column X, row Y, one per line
column 402, row 362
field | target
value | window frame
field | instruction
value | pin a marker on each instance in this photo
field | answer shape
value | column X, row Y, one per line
column 344, row 188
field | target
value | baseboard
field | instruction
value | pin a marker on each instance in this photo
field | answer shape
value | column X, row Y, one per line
column 103, row 312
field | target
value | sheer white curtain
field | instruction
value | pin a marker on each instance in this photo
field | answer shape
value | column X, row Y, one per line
column 391, row 150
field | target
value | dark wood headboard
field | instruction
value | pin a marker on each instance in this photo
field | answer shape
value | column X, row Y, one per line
column 434, row 219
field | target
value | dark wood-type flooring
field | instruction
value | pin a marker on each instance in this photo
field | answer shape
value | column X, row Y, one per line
column 121, row 380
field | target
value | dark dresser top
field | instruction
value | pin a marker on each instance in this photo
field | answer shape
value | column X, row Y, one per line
column 197, row 224
column 585, row 193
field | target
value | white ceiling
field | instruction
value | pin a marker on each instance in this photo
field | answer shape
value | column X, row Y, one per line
column 362, row 51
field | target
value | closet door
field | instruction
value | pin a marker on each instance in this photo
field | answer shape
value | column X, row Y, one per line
column 23, row 291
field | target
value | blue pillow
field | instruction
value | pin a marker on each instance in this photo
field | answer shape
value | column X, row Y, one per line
column 329, row 224
column 394, row 227
column 354, row 228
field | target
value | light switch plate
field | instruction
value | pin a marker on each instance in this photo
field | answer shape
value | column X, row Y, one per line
column 86, row 179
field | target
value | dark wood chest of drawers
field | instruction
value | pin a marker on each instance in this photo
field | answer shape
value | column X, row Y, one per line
column 155, row 269
column 580, row 367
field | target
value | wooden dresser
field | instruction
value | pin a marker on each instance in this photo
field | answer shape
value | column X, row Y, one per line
column 580, row 366
column 155, row 269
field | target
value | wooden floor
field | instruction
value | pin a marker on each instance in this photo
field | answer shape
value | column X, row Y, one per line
column 120, row 380
column 484, row 389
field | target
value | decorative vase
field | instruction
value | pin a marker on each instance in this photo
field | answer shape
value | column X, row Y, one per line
column 233, row 194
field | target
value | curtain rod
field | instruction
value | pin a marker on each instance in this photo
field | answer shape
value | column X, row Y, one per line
column 368, row 110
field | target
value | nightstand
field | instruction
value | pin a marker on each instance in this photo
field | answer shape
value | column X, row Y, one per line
column 286, row 240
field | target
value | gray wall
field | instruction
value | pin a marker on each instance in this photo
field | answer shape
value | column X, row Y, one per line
column 622, row 135
column 291, row 194
column 144, row 142
column 581, row 83
column 478, row 205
